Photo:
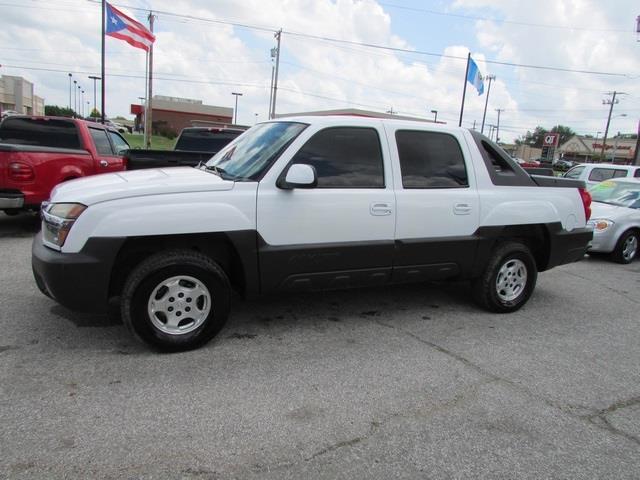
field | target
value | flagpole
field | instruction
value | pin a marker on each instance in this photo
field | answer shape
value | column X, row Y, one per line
column 148, row 121
column 464, row 90
column 104, row 8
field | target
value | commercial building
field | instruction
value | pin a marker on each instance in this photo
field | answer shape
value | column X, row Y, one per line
column 619, row 149
column 172, row 114
column 16, row 94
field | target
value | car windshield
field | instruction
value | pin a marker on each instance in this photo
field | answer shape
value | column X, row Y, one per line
column 622, row 194
column 253, row 152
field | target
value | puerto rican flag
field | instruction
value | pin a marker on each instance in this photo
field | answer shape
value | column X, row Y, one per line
column 126, row 28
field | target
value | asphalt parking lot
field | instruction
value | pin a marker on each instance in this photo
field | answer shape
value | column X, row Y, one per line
column 406, row 382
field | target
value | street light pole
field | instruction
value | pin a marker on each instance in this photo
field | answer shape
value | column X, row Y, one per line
column 435, row 116
column 235, row 110
column 82, row 109
column 70, row 75
column 94, row 78
column 75, row 97
column 498, row 125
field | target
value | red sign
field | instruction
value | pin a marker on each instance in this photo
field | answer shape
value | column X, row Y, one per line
column 551, row 140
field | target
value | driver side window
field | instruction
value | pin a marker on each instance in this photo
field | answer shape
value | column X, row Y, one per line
column 119, row 143
column 344, row 157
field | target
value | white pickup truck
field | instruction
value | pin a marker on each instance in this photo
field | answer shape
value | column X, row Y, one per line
column 306, row 203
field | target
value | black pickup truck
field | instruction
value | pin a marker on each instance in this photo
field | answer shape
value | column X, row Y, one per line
column 194, row 145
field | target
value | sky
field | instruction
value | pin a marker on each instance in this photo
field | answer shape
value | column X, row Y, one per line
column 200, row 54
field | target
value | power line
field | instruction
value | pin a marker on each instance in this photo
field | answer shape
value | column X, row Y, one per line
column 513, row 22
column 366, row 44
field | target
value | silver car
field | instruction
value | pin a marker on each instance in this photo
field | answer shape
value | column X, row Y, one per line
column 615, row 218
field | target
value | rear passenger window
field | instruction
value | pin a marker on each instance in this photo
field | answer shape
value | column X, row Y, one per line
column 637, row 174
column 602, row 174
column 103, row 146
column 430, row 160
column 344, row 157
column 42, row 132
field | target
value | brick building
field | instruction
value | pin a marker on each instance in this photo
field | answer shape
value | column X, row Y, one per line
column 172, row 114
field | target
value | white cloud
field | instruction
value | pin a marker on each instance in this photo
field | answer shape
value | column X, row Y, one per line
column 209, row 60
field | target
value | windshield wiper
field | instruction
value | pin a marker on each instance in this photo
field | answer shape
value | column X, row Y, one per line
column 221, row 172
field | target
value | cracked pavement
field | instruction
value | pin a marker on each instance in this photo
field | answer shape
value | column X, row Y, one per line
column 402, row 382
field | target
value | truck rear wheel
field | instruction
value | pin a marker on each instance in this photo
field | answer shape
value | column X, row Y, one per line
column 176, row 300
column 508, row 279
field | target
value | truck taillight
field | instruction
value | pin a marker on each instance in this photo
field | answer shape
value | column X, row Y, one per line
column 586, row 203
column 21, row 171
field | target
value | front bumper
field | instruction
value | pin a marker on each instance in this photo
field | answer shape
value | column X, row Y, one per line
column 79, row 281
column 11, row 200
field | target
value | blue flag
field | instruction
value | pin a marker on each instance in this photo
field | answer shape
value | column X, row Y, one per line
column 474, row 77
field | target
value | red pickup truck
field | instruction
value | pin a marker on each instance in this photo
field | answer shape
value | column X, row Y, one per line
column 37, row 153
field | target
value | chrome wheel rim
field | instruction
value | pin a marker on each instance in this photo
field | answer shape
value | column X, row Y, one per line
column 511, row 280
column 630, row 247
column 179, row 305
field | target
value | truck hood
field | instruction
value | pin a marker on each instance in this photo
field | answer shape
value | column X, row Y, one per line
column 137, row 183
column 611, row 212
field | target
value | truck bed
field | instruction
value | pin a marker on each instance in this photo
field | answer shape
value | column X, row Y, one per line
column 140, row 159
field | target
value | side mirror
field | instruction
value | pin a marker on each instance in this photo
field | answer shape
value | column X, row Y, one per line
column 299, row 175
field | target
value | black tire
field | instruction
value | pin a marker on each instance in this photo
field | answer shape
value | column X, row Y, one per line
column 622, row 253
column 162, row 267
column 489, row 295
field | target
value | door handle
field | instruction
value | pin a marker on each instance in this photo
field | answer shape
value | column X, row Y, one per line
column 462, row 209
column 104, row 163
column 380, row 209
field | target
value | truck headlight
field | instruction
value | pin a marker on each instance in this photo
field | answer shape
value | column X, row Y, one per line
column 600, row 224
column 58, row 218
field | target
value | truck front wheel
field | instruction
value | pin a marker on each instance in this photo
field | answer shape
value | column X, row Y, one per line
column 508, row 280
column 176, row 300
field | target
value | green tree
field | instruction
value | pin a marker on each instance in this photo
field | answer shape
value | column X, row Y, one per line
column 536, row 138
column 95, row 113
column 56, row 111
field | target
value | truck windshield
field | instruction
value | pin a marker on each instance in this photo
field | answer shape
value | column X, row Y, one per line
column 251, row 154
column 205, row 140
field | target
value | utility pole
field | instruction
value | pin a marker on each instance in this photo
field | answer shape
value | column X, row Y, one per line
column 498, row 125
column 486, row 100
column 612, row 101
column 435, row 116
column 148, row 121
column 94, row 78
column 278, row 36
column 274, row 51
column 474, row 125
column 390, row 111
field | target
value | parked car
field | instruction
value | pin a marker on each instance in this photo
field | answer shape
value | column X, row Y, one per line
column 616, row 218
column 306, row 203
column 37, row 153
column 527, row 163
column 195, row 145
column 8, row 113
column 594, row 173
column 564, row 165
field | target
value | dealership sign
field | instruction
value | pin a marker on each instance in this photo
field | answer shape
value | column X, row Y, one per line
column 551, row 140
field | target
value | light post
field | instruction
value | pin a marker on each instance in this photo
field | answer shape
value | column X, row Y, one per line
column 256, row 120
column 94, row 78
column 435, row 116
column 235, row 110
column 70, row 75
column 78, row 99
column 82, row 106
column 75, row 97
column 144, row 112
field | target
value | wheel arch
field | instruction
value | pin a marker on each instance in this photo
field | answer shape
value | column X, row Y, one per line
column 235, row 252
column 537, row 238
